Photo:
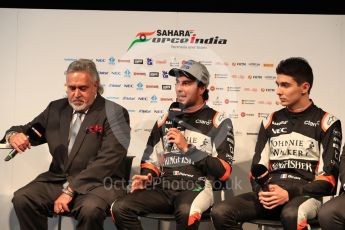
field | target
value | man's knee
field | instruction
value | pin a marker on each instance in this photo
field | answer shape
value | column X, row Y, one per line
column 120, row 206
column 323, row 214
column 289, row 214
column 91, row 210
column 219, row 210
column 20, row 200
column 222, row 213
column 183, row 211
column 327, row 212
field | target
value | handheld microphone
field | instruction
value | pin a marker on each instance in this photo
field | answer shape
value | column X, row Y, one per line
column 261, row 176
column 34, row 133
column 175, row 113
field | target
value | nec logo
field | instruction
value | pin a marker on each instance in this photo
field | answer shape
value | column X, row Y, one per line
column 279, row 131
column 100, row 60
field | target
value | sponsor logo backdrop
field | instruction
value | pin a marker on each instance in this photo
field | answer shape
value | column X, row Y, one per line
column 134, row 52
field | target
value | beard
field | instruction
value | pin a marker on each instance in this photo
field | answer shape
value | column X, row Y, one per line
column 78, row 108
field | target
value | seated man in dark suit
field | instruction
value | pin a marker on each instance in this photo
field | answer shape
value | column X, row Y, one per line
column 88, row 138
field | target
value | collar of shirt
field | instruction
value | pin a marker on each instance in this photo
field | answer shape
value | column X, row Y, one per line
column 75, row 113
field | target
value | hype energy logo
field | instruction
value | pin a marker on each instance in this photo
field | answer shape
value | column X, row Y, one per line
column 175, row 37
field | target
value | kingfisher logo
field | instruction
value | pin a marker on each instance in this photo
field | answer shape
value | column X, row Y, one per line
column 175, row 37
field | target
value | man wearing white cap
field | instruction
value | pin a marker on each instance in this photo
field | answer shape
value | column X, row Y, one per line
column 189, row 152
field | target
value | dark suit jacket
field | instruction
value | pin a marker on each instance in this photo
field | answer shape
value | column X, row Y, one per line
column 96, row 157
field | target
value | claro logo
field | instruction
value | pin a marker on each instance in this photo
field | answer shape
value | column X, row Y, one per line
column 199, row 121
column 312, row 124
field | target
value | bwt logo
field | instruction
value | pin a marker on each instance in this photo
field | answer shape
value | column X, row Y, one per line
column 140, row 86
column 127, row 73
column 154, row 99
column 111, row 61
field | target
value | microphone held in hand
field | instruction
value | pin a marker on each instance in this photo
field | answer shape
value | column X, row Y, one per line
column 175, row 114
column 261, row 176
column 34, row 133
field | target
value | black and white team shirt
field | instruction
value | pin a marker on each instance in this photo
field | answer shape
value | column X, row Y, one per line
column 301, row 151
column 210, row 157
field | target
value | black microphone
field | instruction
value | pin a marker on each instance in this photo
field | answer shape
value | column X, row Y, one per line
column 261, row 176
column 34, row 133
column 175, row 114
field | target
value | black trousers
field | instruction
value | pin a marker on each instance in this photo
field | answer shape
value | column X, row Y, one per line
column 35, row 202
column 230, row 214
column 332, row 214
column 126, row 210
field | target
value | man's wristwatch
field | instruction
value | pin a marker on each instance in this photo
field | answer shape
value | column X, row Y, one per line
column 9, row 135
column 66, row 190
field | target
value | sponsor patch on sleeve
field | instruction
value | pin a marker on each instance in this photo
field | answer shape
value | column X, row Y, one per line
column 327, row 120
column 267, row 120
column 218, row 118
column 162, row 119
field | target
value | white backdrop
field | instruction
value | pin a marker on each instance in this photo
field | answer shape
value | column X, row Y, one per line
column 37, row 46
